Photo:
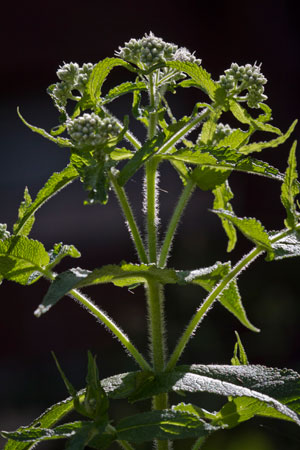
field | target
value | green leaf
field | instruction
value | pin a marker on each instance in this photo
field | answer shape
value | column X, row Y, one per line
column 251, row 228
column 258, row 146
column 96, row 183
column 43, row 434
column 223, row 195
column 140, row 157
column 208, row 178
column 162, row 425
column 99, row 74
column 56, row 182
column 20, row 258
column 118, row 154
column 236, row 139
column 62, row 142
column 96, row 402
column 288, row 246
column 209, row 127
column 290, row 189
column 22, row 211
column 59, row 251
column 239, row 354
column 122, row 89
column 198, row 74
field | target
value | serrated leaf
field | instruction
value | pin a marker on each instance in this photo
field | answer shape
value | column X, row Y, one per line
column 290, row 189
column 236, row 139
column 200, row 76
column 55, row 183
column 20, row 257
column 223, row 195
column 206, row 277
column 162, row 425
column 140, row 157
column 26, row 203
column 251, row 228
column 99, row 74
column 259, row 146
column 62, row 142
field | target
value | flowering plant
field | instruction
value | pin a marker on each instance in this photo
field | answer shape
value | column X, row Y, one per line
column 204, row 152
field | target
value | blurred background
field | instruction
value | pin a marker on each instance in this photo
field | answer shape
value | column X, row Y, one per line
column 35, row 39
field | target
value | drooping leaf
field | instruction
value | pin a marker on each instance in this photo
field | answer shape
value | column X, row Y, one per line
column 162, row 425
column 26, row 203
column 62, row 142
column 251, row 228
column 99, row 74
column 223, row 195
column 290, row 189
column 56, row 182
column 20, row 257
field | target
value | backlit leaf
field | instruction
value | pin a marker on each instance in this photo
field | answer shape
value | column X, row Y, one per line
column 290, row 189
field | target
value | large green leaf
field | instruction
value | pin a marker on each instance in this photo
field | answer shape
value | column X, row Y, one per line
column 290, row 189
column 20, row 258
column 56, row 182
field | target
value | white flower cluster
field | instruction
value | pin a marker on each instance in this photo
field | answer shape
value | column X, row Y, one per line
column 72, row 78
column 4, row 234
column 248, row 77
column 222, row 130
column 152, row 50
column 89, row 130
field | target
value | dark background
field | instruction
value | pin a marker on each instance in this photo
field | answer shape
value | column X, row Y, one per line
column 35, row 39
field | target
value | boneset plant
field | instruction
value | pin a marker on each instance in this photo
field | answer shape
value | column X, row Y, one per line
column 105, row 155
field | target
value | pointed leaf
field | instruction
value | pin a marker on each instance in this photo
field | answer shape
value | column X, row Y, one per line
column 22, row 211
column 55, row 183
column 258, row 146
column 20, row 257
column 239, row 355
column 235, row 139
column 62, row 142
column 251, row 228
column 59, row 251
column 288, row 246
column 290, row 189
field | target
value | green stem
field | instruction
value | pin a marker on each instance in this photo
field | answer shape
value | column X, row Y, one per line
column 151, row 208
column 198, row 444
column 153, row 113
column 132, row 226
column 200, row 313
column 174, row 222
column 125, row 445
column 112, row 326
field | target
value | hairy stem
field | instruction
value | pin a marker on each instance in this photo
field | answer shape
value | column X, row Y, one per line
column 198, row 444
column 174, row 222
column 150, row 205
column 112, row 326
column 133, row 228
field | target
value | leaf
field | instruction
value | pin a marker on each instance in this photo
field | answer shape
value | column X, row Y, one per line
column 20, row 257
column 99, row 74
column 122, row 89
column 56, row 182
column 235, row 139
column 223, row 195
column 96, row 183
column 208, row 178
column 290, row 189
column 239, row 354
column 22, row 210
column 251, row 228
column 272, row 387
column 258, row 146
column 96, row 402
column 199, row 75
column 62, row 142
column 41, row 434
column 59, row 251
column 140, row 157
column 288, row 246
column 231, row 300
column 162, row 425
column 118, row 154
